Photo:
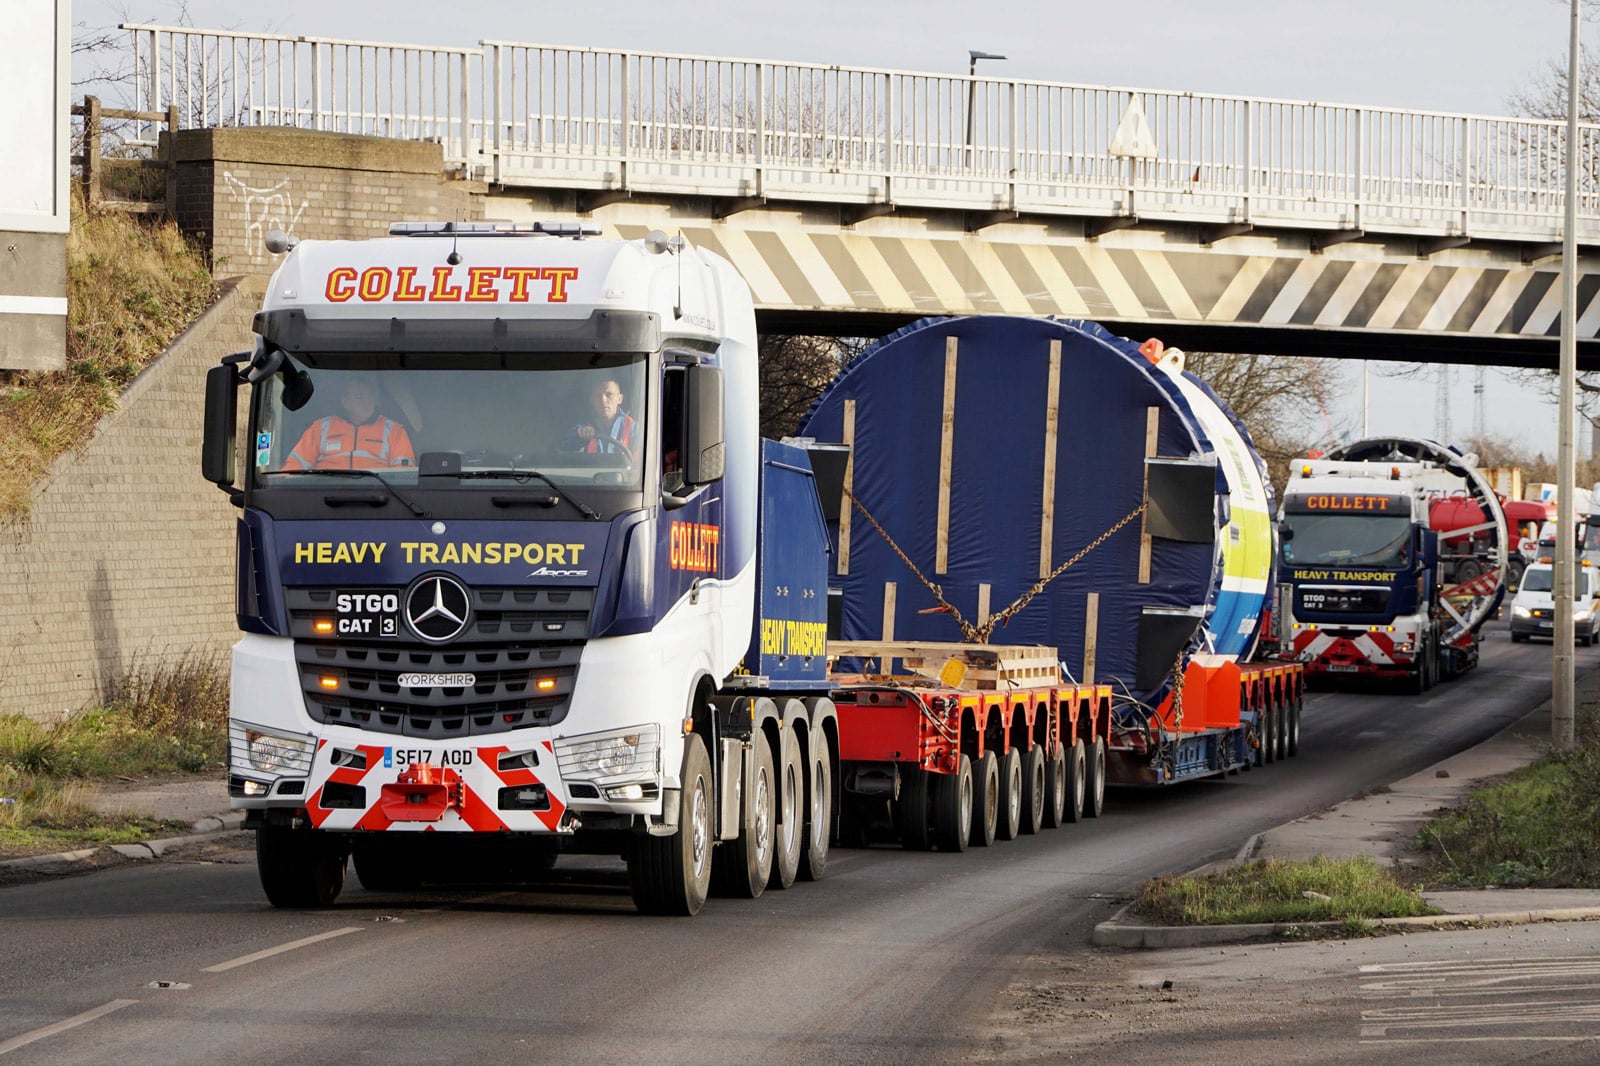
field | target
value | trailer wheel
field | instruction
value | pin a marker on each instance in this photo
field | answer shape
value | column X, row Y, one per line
column 743, row 866
column 819, row 812
column 790, row 839
column 1033, row 789
column 1269, row 735
column 1294, row 727
column 1055, row 789
column 1095, row 779
column 1077, row 783
column 1009, row 824
column 1280, row 730
column 952, row 808
column 300, row 868
column 985, row 800
column 912, row 818
column 384, row 868
column 672, row 875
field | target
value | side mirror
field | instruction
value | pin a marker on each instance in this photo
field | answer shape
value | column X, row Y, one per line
column 221, row 425
column 1285, row 533
column 704, row 447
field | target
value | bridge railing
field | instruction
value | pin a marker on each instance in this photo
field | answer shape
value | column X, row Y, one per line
column 545, row 115
column 227, row 78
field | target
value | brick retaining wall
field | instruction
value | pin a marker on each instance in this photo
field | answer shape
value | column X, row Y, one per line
column 126, row 555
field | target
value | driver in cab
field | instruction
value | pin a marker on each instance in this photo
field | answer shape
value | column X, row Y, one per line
column 609, row 428
column 357, row 439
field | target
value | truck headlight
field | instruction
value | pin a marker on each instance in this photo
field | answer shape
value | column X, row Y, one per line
column 1521, row 612
column 274, row 752
column 633, row 752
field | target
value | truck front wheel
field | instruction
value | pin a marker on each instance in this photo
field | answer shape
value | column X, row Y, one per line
column 672, row 875
column 300, row 867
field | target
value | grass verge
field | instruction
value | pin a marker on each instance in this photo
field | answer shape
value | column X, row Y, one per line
column 132, row 286
column 1533, row 829
column 1352, row 891
column 157, row 721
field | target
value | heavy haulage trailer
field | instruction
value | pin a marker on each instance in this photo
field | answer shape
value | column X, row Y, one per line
column 517, row 577
column 1044, row 482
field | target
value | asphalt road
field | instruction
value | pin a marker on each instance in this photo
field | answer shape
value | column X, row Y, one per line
column 897, row 957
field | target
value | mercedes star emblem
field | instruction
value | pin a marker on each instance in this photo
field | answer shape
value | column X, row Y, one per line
column 437, row 608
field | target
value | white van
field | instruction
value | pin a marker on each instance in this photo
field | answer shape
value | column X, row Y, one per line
column 1532, row 613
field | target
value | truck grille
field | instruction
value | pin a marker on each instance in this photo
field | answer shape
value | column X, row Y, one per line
column 521, row 648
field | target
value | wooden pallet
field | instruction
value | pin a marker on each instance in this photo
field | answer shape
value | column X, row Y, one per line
column 982, row 667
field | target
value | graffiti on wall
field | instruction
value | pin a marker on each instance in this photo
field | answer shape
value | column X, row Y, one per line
column 267, row 208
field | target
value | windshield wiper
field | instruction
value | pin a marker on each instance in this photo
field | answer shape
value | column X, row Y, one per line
column 373, row 474
column 522, row 476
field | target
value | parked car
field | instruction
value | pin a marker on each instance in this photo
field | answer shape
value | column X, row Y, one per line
column 1532, row 611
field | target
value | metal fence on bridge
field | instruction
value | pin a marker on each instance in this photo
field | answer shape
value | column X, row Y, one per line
column 646, row 122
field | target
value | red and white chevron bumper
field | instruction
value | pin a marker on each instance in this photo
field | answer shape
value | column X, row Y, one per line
column 422, row 788
column 1372, row 651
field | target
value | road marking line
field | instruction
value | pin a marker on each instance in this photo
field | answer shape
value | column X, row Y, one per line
column 65, row 1024
column 245, row 960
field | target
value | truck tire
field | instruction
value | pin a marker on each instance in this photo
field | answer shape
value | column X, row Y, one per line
column 819, row 812
column 1294, row 727
column 1280, row 730
column 1416, row 681
column 1055, row 789
column 1269, row 736
column 985, row 800
column 1033, row 790
column 672, row 875
column 300, row 868
column 743, row 866
column 1077, row 781
column 791, row 831
column 1094, row 778
column 912, row 818
column 1009, row 824
column 381, row 867
column 952, row 808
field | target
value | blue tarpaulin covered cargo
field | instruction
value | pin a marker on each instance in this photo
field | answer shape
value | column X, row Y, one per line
column 1017, row 485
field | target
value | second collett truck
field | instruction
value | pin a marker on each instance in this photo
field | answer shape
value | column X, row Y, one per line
column 554, row 595
column 1366, row 590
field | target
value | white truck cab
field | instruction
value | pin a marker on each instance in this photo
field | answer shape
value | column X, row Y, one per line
column 1533, row 610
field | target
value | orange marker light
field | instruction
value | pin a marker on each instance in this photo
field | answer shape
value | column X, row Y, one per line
column 328, row 682
column 322, row 625
column 547, row 684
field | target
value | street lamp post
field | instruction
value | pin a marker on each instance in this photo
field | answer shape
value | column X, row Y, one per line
column 972, row 72
column 1562, row 710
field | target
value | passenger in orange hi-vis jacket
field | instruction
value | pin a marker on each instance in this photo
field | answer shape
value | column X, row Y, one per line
column 360, row 440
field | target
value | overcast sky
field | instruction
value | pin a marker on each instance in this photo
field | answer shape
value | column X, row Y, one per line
column 1447, row 55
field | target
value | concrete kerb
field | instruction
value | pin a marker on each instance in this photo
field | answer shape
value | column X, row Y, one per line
column 1115, row 933
column 204, row 830
column 1301, row 837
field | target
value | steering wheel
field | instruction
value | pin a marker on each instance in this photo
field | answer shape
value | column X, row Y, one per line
column 627, row 453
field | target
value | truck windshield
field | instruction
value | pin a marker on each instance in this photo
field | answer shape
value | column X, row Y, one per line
column 1380, row 541
column 467, row 422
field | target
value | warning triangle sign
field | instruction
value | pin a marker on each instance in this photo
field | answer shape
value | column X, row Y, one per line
column 1133, row 136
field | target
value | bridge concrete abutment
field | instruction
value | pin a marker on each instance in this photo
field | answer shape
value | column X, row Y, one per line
column 236, row 183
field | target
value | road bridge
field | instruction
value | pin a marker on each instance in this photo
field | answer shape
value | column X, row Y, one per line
column 854, row 199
